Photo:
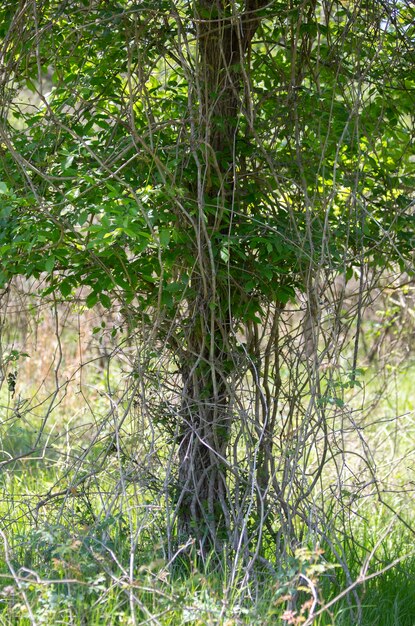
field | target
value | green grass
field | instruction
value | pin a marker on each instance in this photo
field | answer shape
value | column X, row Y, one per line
column 98, row 593
column 70, row 547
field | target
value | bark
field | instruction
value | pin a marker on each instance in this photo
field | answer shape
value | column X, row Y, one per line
column 204, row 511
column 205, row 507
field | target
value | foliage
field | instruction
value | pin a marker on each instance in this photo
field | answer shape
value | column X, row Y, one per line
column 229, row 185
column 100, row 174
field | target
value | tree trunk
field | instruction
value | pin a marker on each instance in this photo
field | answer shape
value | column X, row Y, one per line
column 204, row 511
column 205, row 508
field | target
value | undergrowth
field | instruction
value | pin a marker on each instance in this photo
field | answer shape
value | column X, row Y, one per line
column 82, row 534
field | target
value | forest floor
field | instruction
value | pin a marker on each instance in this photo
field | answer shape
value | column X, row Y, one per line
column 73, row 551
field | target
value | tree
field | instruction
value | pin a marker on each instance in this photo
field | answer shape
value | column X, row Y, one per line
column 203, row 164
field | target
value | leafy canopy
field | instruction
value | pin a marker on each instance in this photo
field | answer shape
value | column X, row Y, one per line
column 102, row 150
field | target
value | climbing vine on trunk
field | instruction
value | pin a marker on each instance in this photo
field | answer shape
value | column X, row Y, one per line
column 216, row 172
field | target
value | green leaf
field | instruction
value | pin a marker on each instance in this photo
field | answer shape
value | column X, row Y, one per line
column 91, row 299
column 224, row 253
column 65, row 288
column 50, row 264
column 105, row 300
column 164, row 237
